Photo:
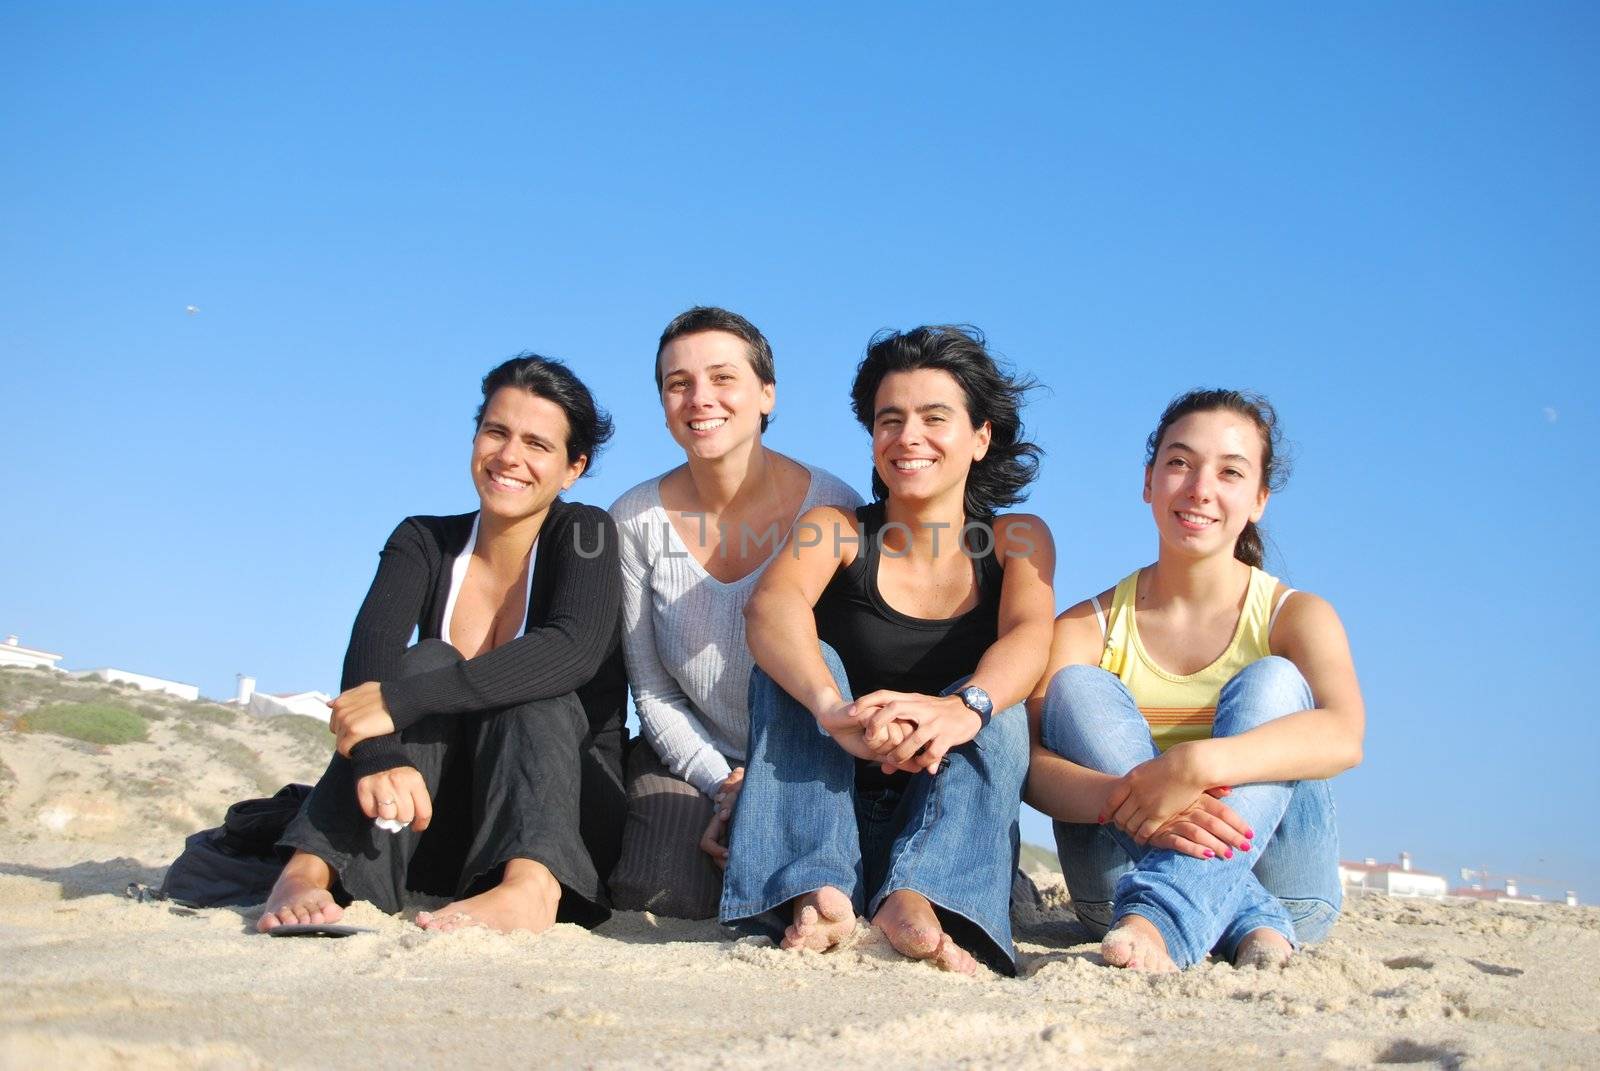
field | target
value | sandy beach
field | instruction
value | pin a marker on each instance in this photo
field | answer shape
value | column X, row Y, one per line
column 94, row 979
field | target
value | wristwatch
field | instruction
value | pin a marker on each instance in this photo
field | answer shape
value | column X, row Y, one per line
column 977, row 700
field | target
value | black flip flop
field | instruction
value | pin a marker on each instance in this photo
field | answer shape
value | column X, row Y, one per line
column 318, row 929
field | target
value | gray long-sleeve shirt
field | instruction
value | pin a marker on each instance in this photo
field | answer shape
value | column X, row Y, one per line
column 683, row 636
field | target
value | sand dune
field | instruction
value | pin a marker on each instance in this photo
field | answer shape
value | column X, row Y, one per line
column 93, row 979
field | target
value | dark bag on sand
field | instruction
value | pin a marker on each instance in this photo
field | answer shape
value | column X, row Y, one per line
column 237, row 862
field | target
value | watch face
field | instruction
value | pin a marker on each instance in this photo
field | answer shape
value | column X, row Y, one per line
column 977, row 700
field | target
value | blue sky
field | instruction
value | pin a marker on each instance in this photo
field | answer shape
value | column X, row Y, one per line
column 1384, row 217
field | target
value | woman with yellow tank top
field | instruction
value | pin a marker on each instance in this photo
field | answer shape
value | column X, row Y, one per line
column 1195, row 679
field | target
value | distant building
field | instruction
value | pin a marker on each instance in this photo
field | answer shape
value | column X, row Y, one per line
column 1511, row 894
column 272, row 705
column 306, row 704
column 139, row 680
column 12, row 653
column 1391, row 879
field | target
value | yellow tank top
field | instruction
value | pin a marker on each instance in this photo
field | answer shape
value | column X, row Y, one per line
column 1181, row 707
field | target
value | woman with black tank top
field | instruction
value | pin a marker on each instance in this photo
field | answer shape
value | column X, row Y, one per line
column 934, row 613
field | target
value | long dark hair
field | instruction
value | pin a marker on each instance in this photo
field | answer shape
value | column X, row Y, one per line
column 1274, row 458
column 588, row 426
column 1001, row 477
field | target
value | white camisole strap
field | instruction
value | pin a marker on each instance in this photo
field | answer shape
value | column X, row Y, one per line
column 1273, row 620
column 1099, row 614
column 458, row 574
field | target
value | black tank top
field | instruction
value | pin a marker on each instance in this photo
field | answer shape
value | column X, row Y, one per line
column 883, row 648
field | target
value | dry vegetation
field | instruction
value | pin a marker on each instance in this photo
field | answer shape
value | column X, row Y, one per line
column 179, row 763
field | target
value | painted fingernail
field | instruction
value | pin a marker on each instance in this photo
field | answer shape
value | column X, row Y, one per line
column 1228, row 854
column 1210, row 854
column 1245, row 846
column 1250, row 833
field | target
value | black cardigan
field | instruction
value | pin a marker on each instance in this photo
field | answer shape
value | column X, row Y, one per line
column 572, row 642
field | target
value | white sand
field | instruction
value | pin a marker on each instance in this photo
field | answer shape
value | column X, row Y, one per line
column 89, row 978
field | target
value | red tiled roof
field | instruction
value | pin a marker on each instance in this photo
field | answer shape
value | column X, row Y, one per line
column 1496, row 894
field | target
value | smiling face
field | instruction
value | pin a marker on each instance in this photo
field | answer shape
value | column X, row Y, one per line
column 923, row 441
column 519, row 455
column 1205, row 482
column 711, row 396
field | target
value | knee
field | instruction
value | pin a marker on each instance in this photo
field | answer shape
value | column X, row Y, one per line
column 426, row 656
column 1072, row 696
column 1004, row 746
column 1265, row 689
column 560, row 716
column 765, row 699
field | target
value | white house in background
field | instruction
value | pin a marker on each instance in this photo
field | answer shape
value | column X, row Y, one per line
column 12, row 653
column 1393, row 879
column 138, row 680
column 270, row 705
column 1510, row 894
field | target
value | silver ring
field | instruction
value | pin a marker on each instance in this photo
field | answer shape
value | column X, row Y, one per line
column 386, row 803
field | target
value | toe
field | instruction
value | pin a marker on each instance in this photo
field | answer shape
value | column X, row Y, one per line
column 834, row 905
column 1117, row 951
column 952, row 957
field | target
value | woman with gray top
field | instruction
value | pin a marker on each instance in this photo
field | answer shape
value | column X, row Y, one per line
column 693, row 543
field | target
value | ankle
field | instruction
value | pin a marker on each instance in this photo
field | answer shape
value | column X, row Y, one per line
column 308, row 869
column 531, row 874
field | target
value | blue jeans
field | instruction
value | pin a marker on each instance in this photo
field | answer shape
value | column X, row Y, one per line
column 1288, row 881
column 952, row 837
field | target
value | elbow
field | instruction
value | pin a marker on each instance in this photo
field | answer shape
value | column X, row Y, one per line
column 755, row 620
column 1355, row 738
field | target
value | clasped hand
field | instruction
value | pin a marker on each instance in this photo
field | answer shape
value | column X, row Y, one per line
column 714, row 841
column 903, row 730
column 399, row 795
column 359, row 714
column 1166, row 803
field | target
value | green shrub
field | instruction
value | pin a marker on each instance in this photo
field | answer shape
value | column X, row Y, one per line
column 94, row 722
column 215, row 713
column 308, row 731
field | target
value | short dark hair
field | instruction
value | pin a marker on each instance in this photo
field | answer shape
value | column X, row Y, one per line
column 1274, row 458
column 994, row 395
column 711, row 318
column 589, row 427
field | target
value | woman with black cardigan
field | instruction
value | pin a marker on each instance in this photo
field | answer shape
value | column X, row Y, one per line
column 492, row 748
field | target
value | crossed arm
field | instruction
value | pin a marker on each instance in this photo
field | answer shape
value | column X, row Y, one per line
column 557, row 654
column 1174, row 800
column 902, row 731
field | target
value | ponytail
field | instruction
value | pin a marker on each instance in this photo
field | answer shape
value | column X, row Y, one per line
column 1249, row 548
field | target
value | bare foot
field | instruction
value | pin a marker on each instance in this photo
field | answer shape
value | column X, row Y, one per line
column 821, row 920
column 525, row 899
column 1134, row 943
column 1263, row 948
column 907, row 920
column 300, row 895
